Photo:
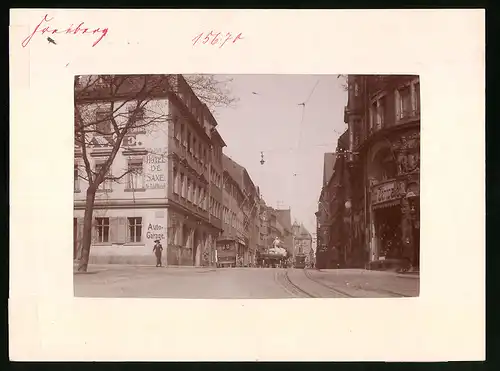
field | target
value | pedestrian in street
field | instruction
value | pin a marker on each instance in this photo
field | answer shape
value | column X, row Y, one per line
column 157, row 249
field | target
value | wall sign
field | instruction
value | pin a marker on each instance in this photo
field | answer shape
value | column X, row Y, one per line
column 387, row 192
column 129, row 140
column 155, row 232
column 155, row 168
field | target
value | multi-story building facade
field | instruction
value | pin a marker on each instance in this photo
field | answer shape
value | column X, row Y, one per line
column 322, row 215
column 383, row 116
column 216, row 185
column 333, row 217
column 165, row 193
column 232, row 245
column 302, row 241
column 241, row 204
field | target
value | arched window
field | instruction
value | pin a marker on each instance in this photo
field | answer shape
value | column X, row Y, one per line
column 384, row 165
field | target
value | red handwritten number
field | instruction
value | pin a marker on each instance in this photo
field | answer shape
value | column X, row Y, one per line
column 227, row 38
column 215, row 39
column 197, row 38
column 207, row 38
column 238, row 38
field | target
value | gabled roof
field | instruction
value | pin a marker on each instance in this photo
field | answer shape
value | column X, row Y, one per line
column 303, row 231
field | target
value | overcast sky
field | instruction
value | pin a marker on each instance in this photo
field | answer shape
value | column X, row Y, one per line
column 271, row 122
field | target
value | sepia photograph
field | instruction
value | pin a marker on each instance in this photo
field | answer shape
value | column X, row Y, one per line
column 246, row 186
column 249, row 174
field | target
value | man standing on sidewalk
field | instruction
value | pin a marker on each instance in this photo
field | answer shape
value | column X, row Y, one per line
column 157, row 249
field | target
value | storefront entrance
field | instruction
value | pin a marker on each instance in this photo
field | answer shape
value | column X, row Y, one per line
column 388, row 231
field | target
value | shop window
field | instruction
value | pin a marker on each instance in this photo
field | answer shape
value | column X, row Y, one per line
column 102, row 230
column 135, row 176
column 134, row 229
column 106, row 183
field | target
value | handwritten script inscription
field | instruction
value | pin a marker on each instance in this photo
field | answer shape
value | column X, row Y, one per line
column 80, row 29
column 216, row 38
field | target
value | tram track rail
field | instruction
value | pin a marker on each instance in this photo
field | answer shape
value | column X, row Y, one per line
column 385, row 291
column 282, row 278
column 332, row 289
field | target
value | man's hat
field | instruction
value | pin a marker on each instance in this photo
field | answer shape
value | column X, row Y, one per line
column 157, row 241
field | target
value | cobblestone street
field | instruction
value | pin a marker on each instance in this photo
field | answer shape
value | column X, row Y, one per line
column 240, row 283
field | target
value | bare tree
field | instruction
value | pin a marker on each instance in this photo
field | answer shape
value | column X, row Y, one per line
column 343, row 82
column 111, row 107
column 212, row 90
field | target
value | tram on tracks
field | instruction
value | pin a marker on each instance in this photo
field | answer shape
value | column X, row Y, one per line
column 300, row 261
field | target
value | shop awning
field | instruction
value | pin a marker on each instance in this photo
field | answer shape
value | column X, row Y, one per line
column 384, row 205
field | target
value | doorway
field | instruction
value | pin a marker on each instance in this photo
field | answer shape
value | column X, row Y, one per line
column 388, row 228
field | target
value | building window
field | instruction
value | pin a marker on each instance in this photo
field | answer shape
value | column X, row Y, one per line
column 405, row 105
column 103, row 121
column 195, row 149
column 76, row 179
column 183, row 136
column 381, row 108
column 183, row 186
column 175, row 177
column 189, row 190
column 188, row 140
column 106, row 183
column 134, row 229
column 102, row 230
column 136, row 116
column 135, row 176
column 177, row 131
column 195, row 194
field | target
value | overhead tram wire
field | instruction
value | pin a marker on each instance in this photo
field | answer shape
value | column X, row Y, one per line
column 301, row 123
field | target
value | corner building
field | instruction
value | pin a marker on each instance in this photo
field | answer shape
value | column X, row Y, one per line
column 167, row 196
column 383, row 117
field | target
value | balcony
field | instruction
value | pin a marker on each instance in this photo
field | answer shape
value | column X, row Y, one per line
column 407, row 116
